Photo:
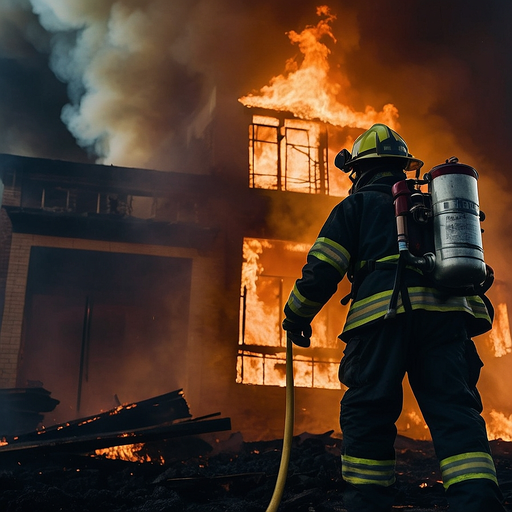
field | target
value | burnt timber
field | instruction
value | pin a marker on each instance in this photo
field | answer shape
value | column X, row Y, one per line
column 163, row 417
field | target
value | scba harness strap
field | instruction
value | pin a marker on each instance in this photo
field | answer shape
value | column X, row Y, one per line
column 394, row 262
column 356, row 278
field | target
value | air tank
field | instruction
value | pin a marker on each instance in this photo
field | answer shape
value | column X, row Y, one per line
column 459, row 255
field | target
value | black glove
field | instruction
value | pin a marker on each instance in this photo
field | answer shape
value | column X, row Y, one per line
column 298, row 334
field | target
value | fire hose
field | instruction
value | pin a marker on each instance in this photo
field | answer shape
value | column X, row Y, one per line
column 288, row 432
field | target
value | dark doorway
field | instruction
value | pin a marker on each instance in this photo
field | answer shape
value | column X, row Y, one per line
column 102, row 327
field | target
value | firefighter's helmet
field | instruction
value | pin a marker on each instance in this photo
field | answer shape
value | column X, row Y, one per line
column 379, row 141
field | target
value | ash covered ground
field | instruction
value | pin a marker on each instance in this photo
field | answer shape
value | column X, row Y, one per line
column 232, row 475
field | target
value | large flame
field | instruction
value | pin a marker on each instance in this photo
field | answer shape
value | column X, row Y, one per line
column 305, row 89
column 261, row 316
column 499, row 426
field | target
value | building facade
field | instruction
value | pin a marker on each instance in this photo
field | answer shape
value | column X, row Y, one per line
column 118, row 284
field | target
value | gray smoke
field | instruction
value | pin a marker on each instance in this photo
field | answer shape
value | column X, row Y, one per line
column 30, row 96
column 130, row 70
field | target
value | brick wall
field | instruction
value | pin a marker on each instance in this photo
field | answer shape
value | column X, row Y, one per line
column 13, row 309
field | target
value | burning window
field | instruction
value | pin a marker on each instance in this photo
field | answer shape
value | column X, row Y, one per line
column 288, row 154
column 269, row 270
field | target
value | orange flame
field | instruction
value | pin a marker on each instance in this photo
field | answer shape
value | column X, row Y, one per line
column 500, row 337
column 262, row 327
column 499, row 426
column 265, row 320
column 305, row 89
column 129, row 452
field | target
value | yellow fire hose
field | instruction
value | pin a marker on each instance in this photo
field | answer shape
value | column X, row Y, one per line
column 288, row 432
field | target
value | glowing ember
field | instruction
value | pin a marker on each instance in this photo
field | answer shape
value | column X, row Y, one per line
column 414, row 418
column 90, row 420
column 500, row 337
column 305, row 89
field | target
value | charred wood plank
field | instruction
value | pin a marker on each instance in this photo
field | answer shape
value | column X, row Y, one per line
column 161, row 409
column 90, row 443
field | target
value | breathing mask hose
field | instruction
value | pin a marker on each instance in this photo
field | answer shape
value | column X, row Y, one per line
column 288, row 431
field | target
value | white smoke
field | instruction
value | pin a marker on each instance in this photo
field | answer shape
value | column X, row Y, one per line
column 131, row 70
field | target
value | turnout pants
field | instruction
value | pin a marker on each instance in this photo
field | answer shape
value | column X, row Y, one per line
column 443, row 367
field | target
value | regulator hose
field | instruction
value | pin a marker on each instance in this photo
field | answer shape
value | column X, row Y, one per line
column 288, row 431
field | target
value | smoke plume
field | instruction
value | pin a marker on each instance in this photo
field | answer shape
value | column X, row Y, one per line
column 138, row 72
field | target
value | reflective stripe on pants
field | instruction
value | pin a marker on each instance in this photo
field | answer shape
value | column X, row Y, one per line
column 359, row 471
column 467, row 466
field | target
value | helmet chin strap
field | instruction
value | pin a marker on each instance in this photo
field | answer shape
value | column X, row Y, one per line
column 361, row 178
column 353, row 178
column 359, row 181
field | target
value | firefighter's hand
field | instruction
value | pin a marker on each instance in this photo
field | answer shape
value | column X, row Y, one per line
column 298, row 334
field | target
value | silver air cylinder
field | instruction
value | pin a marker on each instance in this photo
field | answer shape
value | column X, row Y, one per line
column 459, row 260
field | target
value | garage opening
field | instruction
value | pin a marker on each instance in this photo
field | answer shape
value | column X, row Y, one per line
column 102, row 328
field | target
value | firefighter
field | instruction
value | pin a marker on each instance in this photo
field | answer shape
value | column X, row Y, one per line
column 429, row 338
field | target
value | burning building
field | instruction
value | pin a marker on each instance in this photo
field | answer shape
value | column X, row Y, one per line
column 118, row 283
column 123, row 283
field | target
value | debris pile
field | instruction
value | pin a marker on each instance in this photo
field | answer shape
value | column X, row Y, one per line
column 208, row 476
column 162, row 417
